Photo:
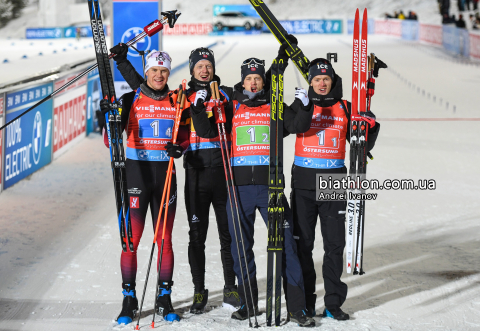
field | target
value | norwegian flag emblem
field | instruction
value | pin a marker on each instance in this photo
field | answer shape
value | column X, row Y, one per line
column 205, row 55
column 160, row 63
column 254, row 69
column 324, row 70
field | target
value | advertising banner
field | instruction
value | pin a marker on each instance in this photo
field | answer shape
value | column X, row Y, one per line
column 68, row 32
column 392, row 27
column 129, row 19
column 44, row 33
column 312, row 26
column 451, row 39
column 475, row 45
column 464, row 42
column 69, row 114
column 247, row 10
column 371, row 26
column 410, row 30
column 94, row 95
column 28, row 140
column 432, row 34
column 2, row 98
column 189, row 29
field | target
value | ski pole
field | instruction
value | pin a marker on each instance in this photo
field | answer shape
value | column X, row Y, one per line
column 223, row 139
column 149, row 30
column 166, row 189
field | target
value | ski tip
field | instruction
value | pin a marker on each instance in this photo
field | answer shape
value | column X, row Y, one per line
column 137, row 327
column 152, row 325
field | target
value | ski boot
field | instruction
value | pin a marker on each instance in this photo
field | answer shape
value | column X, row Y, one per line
column 231, row 298
column 200, row 300
column 310, row 305
column 129, row 306
column 301, row 318
column 242, row 313
column 163, row 305
column 335, row 313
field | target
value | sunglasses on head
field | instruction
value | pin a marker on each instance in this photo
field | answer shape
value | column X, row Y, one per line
column 253, row 60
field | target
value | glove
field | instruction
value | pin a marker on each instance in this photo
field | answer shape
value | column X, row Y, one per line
column 174, row 150
column 281, row 51
column 200, row 98
column 368, row 117
column 302, row 95
column 120, row 51
column 104, row 107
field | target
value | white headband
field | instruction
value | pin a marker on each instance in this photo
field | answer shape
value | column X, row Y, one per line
column 158, row 59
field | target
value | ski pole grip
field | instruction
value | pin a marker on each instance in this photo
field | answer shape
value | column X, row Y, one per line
column 153, row 28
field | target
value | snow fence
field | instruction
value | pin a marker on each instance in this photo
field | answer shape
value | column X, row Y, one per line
column 42, row 135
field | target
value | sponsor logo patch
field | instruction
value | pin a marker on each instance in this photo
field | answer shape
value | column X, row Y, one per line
column 134, row 190
column 134, row 202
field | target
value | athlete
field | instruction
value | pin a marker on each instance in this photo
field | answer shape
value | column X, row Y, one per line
column 320, row 149
column 250, row 123
column 148, row 119
column 205, row 183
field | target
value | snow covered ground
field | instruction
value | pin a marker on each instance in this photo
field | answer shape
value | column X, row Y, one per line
column 59, row 246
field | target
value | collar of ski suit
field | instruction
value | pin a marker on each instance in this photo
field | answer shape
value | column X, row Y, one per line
column 259, row 99
column 153, row 94
column 331, row 98
column 197, row 85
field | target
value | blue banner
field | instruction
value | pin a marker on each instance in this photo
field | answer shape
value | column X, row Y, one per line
column 94, row 95
column 371, row 26
column 464, row 43
column 44, row 33
column 311, row 26
column 129, row 19
column 451, row 39
column 28, row 140
column 53, row 33
column 410, row 30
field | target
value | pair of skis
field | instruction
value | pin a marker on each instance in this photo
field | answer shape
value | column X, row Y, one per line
column 276, row 195
column 113, row 117
column 113, row 126
column 362, row 90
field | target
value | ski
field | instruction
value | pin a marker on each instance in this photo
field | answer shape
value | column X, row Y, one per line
column 293, row 51
column 352, row 206
column 113, row 126
column 276, row 195
column 358, row 145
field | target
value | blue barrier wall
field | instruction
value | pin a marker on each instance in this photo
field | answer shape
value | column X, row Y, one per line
column 371, row 26
column 28, row 140
column 311, row 26
column 451, row 39
column 410, row 30
column 59, row 32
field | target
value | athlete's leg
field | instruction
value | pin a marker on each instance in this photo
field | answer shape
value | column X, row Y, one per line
column 166, row 270
column 291, row 269
column 305, row 217
column 332, row 223
column 219, row 202
column 138, row 199
column 197, row 201
column 247, row 204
